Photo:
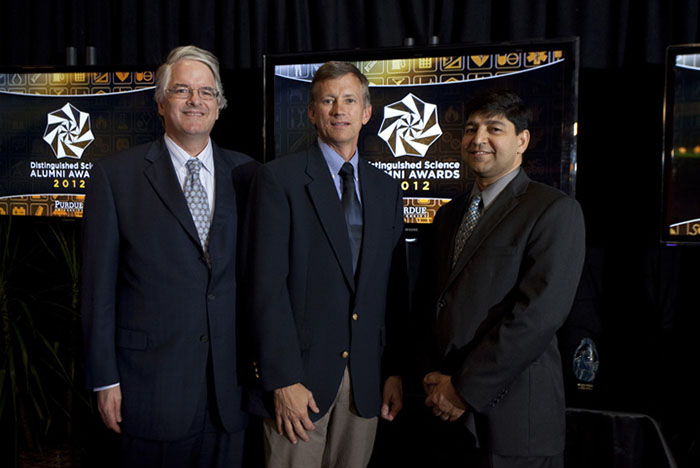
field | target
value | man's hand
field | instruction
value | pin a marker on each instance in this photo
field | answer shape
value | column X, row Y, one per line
column 291, row 412
column 392, row 400
column 109, row 403
column 442, row 397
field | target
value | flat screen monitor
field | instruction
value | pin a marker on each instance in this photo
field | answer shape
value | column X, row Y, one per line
column 680, row 217
column 55, row 122
column 418, row 97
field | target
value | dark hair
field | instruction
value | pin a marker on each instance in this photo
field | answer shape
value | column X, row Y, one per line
column 332, row 70
column 495, row 102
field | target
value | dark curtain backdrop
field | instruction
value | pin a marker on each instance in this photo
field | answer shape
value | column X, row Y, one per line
column 613, row 33
column 639, row 300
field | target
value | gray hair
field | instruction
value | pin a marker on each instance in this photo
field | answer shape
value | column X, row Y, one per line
column 188, row 52
column 332, row 70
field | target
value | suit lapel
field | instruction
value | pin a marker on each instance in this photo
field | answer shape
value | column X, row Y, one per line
column 506, row 201
column 447, row 237
column 162, row 177
column 325, row 199
column 224, row 197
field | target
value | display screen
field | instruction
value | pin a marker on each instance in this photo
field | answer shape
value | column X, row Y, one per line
column 55, row 123
column 681, row 181
column 418, row 98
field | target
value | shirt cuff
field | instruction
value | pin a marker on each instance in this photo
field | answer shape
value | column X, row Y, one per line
column 99, row 389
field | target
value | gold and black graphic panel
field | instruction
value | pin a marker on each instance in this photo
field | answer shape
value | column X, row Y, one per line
column 55, row 124
column 418, row 99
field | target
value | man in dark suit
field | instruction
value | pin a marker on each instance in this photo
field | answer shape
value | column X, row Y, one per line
column 159, row 280
column 499, row 277
column 328, row 267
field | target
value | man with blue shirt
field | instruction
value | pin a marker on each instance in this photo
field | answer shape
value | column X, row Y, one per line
column 328, row 278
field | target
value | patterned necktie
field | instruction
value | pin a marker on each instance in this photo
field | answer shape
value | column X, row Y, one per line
column 197, row 200
column 353, row 211
column 469, row 221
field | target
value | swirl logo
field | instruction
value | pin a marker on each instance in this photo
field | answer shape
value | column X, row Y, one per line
column 410, row 126
column 68, row 132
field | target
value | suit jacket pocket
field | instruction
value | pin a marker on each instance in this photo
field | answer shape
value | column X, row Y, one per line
column 131, row 339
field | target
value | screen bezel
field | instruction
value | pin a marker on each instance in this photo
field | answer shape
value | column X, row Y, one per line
column 669, row 133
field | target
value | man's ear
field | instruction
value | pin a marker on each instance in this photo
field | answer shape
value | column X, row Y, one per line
column 523, row 140
column 366, row 114
column 312, row 115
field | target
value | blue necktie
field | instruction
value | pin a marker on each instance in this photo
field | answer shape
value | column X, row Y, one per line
column 353, row 212
column 197, row 200
column 469, row 221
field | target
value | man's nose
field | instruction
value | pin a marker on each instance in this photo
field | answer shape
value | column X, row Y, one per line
column 194, row 98
column 480, row 136
column 337, row 108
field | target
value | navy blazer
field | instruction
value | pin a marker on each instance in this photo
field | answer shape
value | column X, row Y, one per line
column 154, row 311
column 493, row 318
column 308, row 308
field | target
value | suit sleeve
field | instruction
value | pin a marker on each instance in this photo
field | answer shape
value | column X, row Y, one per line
column 274, row 331
column 532, row 312
column 100, row 261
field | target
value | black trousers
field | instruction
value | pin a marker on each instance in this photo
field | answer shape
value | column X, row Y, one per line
column 451, row 445
column 209, row 446
column 209, row 449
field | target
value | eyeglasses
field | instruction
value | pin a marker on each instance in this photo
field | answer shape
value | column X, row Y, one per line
column 185, row 92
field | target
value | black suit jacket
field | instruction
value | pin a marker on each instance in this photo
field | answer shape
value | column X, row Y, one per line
column 307, row 306
column 493, row 318
column 154, row 311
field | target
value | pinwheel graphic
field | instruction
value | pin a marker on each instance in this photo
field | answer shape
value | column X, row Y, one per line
column 410, row 126
column 68, row 132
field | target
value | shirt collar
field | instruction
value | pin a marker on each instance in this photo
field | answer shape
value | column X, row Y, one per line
column 336, row 161
column 180, row 156
column 490, row 193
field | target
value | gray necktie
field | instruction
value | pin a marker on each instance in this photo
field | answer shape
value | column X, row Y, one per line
column 353, row 211
column 197, row 200
column 469, row 221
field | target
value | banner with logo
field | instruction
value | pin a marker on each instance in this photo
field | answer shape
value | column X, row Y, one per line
column 53, row 125
column 418, row 99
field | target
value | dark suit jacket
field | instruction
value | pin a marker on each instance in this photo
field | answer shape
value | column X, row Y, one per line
column 494, row 317
column 154, row 312
column 304, row 294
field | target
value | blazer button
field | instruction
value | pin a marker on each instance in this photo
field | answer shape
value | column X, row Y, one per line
column 442, row 303
column 204, row 338
column 344, row 354
column 211, row 297
column 354, row 316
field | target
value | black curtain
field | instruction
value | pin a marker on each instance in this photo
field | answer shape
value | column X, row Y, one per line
column 613, row 33
column 641, row 302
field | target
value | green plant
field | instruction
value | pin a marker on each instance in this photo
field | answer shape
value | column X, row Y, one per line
column 64, row 300
column 29, row 361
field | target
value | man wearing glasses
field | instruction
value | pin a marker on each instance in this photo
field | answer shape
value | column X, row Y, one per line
column 159, row 280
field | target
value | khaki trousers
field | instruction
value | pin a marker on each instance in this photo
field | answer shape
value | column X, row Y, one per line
column 341, row 439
